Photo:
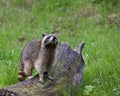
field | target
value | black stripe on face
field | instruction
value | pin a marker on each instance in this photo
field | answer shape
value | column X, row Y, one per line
column 54, row 38
column 48, row 37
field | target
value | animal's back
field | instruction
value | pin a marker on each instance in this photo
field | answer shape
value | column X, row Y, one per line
column 31, row 50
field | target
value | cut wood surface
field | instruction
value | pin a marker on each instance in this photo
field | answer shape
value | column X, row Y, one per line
column 67, row 71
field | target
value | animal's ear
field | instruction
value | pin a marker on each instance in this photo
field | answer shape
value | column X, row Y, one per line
column 43, row 35
column 56, row 35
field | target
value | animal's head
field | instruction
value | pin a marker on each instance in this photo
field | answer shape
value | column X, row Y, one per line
column 50, row 39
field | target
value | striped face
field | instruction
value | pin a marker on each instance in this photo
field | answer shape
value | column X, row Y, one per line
column 49, row 39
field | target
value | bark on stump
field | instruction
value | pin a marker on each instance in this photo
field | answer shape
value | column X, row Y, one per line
column 67, row 71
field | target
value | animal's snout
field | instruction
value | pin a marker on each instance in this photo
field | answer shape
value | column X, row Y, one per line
column 54, row 38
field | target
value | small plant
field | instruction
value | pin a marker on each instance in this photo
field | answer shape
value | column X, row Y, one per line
column 88, row 89
column 116, row 90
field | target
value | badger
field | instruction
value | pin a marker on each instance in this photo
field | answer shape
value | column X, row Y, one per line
column 38, row 55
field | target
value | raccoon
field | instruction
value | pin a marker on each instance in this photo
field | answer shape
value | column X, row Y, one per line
column 38, row 55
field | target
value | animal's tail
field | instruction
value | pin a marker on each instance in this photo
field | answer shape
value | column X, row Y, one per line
column 21, row 73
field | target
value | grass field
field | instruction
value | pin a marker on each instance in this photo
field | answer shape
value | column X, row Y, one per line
column 97, row 24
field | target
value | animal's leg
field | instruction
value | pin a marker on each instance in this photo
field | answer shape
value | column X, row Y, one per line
column 40, row 71
column 28, row 69
column 28, row 72
column 46, row 75
column 41, row 78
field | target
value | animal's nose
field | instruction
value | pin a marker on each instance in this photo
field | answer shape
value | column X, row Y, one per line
column 54, row 38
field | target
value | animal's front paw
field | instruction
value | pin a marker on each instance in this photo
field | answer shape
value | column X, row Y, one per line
column 50, row 78
column 41, row 81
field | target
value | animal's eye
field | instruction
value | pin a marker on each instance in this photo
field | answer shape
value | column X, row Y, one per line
column 48, row 37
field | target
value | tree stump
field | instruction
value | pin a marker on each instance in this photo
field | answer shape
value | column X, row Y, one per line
column 67, row 71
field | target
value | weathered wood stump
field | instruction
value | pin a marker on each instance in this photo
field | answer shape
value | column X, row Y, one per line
column 67, row 71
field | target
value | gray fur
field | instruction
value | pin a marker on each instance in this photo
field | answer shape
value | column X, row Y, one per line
column 39, row 55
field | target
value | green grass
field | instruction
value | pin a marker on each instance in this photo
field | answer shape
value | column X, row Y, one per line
column 97, row 24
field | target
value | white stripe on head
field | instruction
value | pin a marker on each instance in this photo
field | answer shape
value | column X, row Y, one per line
column 51, row 38
column 44, row 38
